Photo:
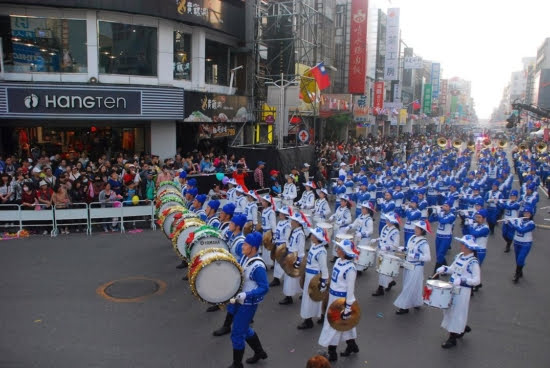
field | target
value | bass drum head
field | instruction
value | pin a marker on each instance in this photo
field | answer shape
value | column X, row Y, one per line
column 182, row 237
column 168, row 204
column 218, row 281
column 205, row 243
column 167, row 224
column 165, row 185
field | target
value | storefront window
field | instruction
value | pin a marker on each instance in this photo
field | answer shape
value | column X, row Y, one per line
column 216, row 63
column 127, row 49
column 182, row 55
column 43, row 44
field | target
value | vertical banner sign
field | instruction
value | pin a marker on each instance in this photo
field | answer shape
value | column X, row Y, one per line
column 379, row 95
column 391, row 66
column 358, row 47
column 443, row 92
column 436, row 68
column 427, row 105
column 454, row 102
column 360, row 109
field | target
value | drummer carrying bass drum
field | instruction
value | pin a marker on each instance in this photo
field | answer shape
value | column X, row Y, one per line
column 418, row 252
column 388, row 243
column 316, row 263
column 465, row 274
column 342, row 285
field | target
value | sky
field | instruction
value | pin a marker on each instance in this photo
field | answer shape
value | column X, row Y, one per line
column 478, row 40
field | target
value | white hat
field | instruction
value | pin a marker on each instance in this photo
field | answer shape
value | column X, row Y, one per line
column 393, row 218
column 232, row 181
column 252, row 194
column 285, row 210
column 345, row 197
column 320, row 234
column 424, row 225
column 309, row 184
column 322, row 190
column 240, row 189
column 342, row 164
column 469, row 241
column 266, row 198
column 348, row 247
column 368, row 205
column 43, row 182
column 300, row 218
column 306, row 164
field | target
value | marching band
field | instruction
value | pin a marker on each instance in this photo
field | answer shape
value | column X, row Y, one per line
column 293, row 237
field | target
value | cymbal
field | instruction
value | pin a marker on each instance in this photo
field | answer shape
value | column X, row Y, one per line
column 335, row 319
column 268, row 240
column 287, row 264
column 247, row 229
column 313, row 289
column 280, row 252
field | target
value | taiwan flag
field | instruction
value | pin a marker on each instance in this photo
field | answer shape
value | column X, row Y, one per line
column 321, row 76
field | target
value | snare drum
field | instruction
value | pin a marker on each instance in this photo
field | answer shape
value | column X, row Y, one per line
column 438, row 294
column 327, row 227
column 388, row 264
column 278, row 202
column 340, row 237
column 367, row 257
column 288, row 202
column 215, row 276
column 181, row 233
column 308, row 212
column 316, row 220
column 205, row 237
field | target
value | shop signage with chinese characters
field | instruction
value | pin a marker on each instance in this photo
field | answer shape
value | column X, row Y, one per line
column 213, row 108
column 358, row 47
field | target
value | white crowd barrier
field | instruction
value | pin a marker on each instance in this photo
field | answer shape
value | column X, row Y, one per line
column 77, row 214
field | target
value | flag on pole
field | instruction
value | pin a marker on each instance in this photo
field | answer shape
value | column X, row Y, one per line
column 307, row 88
column 416, row 105
column 319, row 72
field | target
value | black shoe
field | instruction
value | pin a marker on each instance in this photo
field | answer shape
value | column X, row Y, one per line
column 520, row 271
column 226, row 328
column 237, row 359
column 351, row 348
column 182, row 265
column 390, row 285
column 308, row 323
column 321, row 320
column 287, row 300
column 331, row 354
column 275, row 282
column 507, row 249
column 185, row 278
column 259, row 352
column 516, row 275
column 359, row 273
column 213, row 308
column 402, row 311
column 451, row 342
column 467, row 329
column 379, row 291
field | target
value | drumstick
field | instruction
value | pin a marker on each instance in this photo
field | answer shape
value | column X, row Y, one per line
column 232, row 300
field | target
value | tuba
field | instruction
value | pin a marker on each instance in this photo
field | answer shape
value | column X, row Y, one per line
column 442, row 142
column 523, row 146
column 502, row 143
column 471, row 145
column 542, row 147
column 457, row 143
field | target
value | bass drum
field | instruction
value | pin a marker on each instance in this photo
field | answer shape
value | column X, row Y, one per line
column 205, row 237
column 215, row 276
column 166, row 185
column 181, row 233
column 167, row 218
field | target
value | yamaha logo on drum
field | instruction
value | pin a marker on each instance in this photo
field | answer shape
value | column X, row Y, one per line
column 209, row 242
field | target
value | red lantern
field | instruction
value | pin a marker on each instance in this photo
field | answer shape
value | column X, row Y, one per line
column 93, row 129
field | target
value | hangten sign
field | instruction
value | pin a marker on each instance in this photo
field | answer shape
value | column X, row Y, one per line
column 73, row 101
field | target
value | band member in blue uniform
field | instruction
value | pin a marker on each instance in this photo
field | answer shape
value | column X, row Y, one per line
column 523, row 239
column 211, row 217
column 444, row 233
column 465, row 274
column 511, row 210
column 412, row 214
column 387, row 206
column 246, row 303
column 492, row 199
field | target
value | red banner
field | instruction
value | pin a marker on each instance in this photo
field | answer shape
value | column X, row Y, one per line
column 358, row 47
column 378, row 95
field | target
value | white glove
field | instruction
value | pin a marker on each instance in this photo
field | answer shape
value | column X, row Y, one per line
column 372, row 241
column 240, row 298
column 401, row 249
column 331, row 218
column 441, row 269
column 456, row 282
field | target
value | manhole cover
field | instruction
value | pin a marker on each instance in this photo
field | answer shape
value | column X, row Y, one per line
column 132, row 289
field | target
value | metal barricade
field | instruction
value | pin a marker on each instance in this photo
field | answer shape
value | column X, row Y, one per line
column 144, row 208
column 9, row 213
column 101, row 211
column 77, row 212
column 40, row 213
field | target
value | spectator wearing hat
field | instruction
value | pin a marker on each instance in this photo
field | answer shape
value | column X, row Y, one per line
column 274, row 184
column 493, row 198
column 281, row 236
column 341, row 218
column 197, row 205
column 510, row 209
column 388, row 243
column 322, row 208
column 418, row 252
column 259, row 175
column 465, row 274
column 307, row 202
column 289, row 191
column 444, row 234
column 269, row 223
column 211, row 217
column 523, row 239
column 296, row 244
column 254, row 289
column 316, row 264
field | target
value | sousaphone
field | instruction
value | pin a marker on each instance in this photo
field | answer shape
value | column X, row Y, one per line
column 335, row 319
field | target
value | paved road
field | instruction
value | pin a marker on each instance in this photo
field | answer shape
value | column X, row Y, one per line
column 51, row 315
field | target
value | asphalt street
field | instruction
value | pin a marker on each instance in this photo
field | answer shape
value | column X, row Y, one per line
column 51, row 315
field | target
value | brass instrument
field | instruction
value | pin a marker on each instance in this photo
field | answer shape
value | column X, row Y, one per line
column 471, row 145
column 442, row 142
column 523, row 146
column 542, row 147
column 457, row 143
column 502, row 143
column 486, row 143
